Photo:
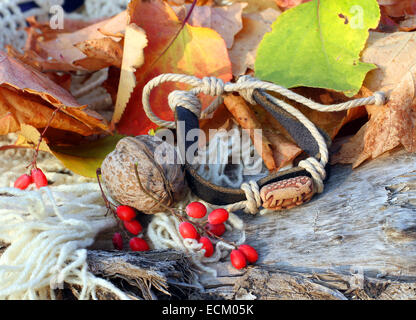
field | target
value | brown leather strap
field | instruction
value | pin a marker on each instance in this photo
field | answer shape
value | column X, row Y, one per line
column 219, row 195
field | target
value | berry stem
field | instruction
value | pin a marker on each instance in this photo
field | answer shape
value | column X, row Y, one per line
column 209, row 233
column 33, row 164
column 199, row 227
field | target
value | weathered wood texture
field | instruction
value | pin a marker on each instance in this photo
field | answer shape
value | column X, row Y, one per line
column 362, row 227
column 357, row 240
column 146, row 275
column 265, row 283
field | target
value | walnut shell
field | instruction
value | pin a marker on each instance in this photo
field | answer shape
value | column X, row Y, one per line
column 165, row 181
column 287, row 193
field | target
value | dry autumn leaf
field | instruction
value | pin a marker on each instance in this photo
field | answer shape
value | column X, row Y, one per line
column 83, row 159
column 393, row 124
column 275, row 149
column 29, row 97
column 287, row 4
column 101, row 53
column 398, row 8
column 256, row 5
column 198, row 2
column 246, row 118
column 227, row 21
column 135, row 41
column 63, row 53
column 283, row 146
column 255, row 25
column 43, row 29
column 196, row 51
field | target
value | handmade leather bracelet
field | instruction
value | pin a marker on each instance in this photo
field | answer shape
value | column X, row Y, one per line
column 278, row 190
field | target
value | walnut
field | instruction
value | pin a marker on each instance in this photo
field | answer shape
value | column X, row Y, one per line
column 164, row 179
column 287, row 193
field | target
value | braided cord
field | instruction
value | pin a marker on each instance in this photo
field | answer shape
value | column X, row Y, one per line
column 245, row 86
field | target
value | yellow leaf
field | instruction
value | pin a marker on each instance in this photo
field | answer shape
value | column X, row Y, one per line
column 135, row 41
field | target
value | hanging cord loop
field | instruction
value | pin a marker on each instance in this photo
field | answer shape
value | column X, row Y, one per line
column 245, row 86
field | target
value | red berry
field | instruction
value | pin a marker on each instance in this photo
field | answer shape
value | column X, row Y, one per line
column 118, row 241
column 207, row 245
column 134, row 227
column 23, row 182
column 39, row 178
column 218, row 216
column 217, row 229
column 249, row 252
column 196, row 210
column 126, row 213
column 138, row 244
column 187, row 230
column 238, row 260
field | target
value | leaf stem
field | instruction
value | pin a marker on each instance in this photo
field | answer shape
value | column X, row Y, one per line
column 188, row 16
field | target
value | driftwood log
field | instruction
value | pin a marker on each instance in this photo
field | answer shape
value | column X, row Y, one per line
column 163, row 274
column 357, row 240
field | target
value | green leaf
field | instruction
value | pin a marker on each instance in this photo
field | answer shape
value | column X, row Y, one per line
column 318, row 44
column 85, row 159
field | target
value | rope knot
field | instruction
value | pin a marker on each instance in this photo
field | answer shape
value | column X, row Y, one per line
column 317, row 171
column 380, row 98
column 212, row 86
column 246, row 93
column 185, row 99
column 252, row 192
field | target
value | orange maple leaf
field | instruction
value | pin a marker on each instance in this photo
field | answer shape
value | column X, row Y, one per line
column 197, row 51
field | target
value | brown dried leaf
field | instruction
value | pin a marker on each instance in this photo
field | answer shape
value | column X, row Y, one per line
column 398, row 8
column 221, row 119
column 134, row 43
column 393, row 124
column 275, row 149
column 28, row 96
column 246, row 118
column 408, row 24
column 63, row 50
column 227, row 20
column 257, row 6
column 283, row 146
column 100, row 53
column 287, row 4
column 255, row 26
column 198, row 2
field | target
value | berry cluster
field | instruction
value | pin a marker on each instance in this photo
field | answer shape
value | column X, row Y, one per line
column 215, row 227
column 37, row 177
column 128, row 216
